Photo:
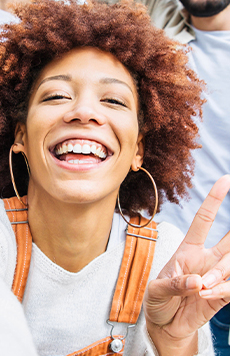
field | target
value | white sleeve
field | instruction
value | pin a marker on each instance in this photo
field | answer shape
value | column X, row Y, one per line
column 15, row 337
column 205, row 345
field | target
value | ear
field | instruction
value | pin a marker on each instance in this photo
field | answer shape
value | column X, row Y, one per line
column 19, row 140
column 139, row 153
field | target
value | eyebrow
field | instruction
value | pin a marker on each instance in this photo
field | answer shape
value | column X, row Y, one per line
column 68, row 78
column 64, row 77
column 116, row 81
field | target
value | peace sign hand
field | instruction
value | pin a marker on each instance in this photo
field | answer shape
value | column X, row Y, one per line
column 192, row 286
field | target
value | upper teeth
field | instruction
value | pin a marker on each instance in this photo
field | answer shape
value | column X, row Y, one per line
column 81, row 148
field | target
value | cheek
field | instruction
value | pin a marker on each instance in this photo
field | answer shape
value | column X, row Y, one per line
column 34, row 141
column 39, row 123
column 44, row 118
column 126, row 128
column 130, row 134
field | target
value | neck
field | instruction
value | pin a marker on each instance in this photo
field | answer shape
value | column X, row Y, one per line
column 219, row 22
column 70, row 235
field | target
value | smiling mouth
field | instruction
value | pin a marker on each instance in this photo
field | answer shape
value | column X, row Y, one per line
column 78, row 151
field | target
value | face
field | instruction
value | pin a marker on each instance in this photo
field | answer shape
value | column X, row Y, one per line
column 205, row 8
column 81, row 135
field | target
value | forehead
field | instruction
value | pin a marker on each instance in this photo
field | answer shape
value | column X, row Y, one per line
column 87, row 62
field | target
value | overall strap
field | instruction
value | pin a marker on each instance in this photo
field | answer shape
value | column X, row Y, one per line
column 17, row 214
column 134, row 272
column 99, row 348
column 132, row 281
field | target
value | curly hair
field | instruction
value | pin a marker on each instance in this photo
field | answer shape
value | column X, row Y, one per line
column 169, row 92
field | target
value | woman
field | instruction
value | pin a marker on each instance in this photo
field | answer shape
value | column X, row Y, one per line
column 89, row 103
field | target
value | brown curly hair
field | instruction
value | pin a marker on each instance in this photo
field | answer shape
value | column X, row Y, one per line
column 169, row 93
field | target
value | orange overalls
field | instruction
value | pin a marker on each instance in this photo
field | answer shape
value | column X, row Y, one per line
column 131, row 284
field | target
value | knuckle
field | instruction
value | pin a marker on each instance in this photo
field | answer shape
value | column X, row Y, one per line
column 221, row 271
column 226, row 300
column 221, row 290
column 214, row 197
column 217, row 252
column 206, row 215
column 176, row 284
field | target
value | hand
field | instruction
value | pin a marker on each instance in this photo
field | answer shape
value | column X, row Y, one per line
column 192, row 286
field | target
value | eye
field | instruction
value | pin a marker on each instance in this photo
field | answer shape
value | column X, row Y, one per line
column 56, row 97
column 114, row 101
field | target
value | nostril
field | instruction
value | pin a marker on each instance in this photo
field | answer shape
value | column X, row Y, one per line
column 84, row 115
column 83, row 121
column 94, row 120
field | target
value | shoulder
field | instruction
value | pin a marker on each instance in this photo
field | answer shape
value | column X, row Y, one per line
column 171, row 16
column 167, row 229
column 169, row 239
column 8, row 248
column 162, row 11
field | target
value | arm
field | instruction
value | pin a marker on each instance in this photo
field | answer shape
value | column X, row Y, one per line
column 15, row 336
column 192, row 286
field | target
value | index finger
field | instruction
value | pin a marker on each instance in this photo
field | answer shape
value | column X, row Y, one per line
column 205, row 216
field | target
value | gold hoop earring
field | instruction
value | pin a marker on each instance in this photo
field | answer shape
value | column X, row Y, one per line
column 12, row 174
column 156, row 202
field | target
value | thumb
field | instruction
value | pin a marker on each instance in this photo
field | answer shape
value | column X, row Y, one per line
column 164, row 296
column 177, row 286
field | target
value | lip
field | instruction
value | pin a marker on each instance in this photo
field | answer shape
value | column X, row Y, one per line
column 78, row 167
column 72, row 136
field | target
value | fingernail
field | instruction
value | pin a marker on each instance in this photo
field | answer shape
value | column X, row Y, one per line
column 191, row 282
column 209, row 280
column 205, row 292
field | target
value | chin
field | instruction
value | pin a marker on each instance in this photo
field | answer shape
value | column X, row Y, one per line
column 205, row 8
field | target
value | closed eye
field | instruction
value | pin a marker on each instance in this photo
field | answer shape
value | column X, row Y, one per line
column 56, row 97
column 114, row 102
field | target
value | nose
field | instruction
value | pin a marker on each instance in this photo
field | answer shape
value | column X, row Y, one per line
column 85, row 111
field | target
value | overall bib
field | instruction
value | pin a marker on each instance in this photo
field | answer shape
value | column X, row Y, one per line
column 131, row 283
